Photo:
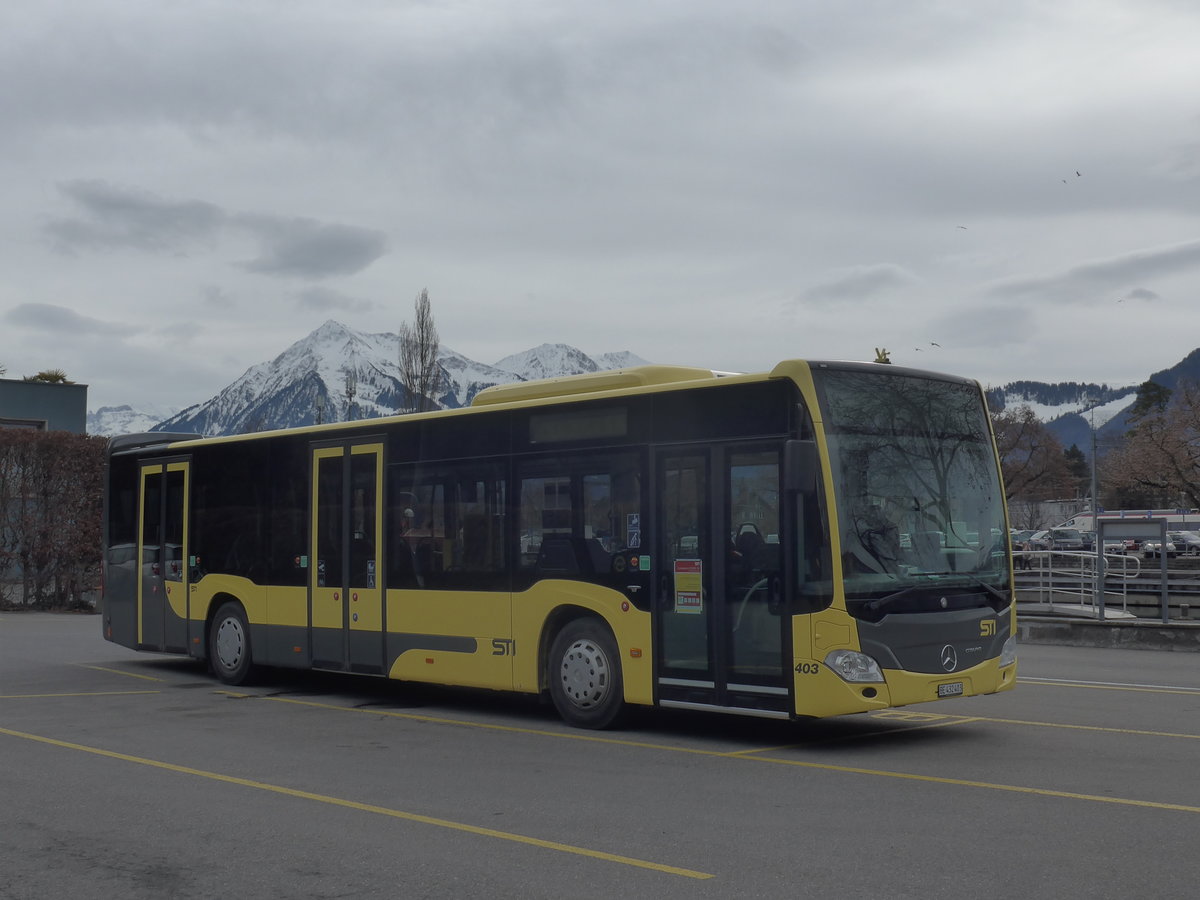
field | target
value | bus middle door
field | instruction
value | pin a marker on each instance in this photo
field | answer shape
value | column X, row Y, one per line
column 345, row 586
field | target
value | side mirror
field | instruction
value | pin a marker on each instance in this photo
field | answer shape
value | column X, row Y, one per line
column 800, row 467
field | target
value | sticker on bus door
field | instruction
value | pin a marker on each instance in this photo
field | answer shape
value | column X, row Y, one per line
column 689, row 597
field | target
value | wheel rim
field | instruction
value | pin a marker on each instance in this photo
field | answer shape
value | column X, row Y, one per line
column 585, row 674
column 231, row 643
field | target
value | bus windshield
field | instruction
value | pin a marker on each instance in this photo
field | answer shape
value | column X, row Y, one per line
column 918, row 496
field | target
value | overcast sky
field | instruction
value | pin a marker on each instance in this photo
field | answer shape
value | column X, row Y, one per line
column 1004, row 190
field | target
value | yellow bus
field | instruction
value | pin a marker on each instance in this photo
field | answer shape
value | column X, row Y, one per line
column 820, row 539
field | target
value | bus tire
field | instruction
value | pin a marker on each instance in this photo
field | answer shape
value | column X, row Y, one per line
column 229, row 651
column 585, row 675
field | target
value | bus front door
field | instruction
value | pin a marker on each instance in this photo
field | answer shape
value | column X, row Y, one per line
column 345, row 569
column 720, row 604
column 162, row 582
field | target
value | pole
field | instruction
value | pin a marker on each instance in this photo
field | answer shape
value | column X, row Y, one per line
column 1098, row 589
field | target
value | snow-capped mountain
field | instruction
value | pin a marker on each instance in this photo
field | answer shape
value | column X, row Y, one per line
column 548, row 361
column 112, row 420
column 337, row 373
column 309, row 381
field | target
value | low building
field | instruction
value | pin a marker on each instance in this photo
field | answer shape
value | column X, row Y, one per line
column 43, row 406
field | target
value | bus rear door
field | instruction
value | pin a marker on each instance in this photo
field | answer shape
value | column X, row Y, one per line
column 162, row 582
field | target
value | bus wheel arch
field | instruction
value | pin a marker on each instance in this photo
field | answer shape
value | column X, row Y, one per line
column 230, row 654
column 583, row 670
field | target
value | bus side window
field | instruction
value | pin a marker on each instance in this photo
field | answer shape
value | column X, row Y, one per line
column 581, row 522
column 446, row 527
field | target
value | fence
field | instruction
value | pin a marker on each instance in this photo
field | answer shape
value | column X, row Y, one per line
column 1065, row 582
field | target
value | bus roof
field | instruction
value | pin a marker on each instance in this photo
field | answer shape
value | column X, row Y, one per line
column 590, row 383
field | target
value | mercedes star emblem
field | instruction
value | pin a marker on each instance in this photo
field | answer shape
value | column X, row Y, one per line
column 949, row 658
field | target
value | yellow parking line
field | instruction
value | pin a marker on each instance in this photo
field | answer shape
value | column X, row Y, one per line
column 489, row 726
column 1100, row 728
column 366, row 807
column 828, row 767
column 992, row 786
column 74, row 694
column 1097, row 686
column 119, row 672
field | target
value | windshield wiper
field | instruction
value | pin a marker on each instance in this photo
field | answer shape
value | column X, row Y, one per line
column 874, row 610
column 876, row 607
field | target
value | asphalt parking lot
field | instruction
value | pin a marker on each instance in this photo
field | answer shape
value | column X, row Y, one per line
column 138, row 775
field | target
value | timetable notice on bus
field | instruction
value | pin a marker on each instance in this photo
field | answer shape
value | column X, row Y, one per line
column 688, row 577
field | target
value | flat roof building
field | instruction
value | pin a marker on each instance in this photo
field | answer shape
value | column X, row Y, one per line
column 43, row 406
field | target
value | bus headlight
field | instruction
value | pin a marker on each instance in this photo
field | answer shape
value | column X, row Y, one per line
column 852, row 666
column 1008, row 653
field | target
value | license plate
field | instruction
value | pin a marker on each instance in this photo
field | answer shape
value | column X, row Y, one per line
column 954, row 689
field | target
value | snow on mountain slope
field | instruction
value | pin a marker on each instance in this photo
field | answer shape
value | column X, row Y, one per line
column 548, row 361
column 336, row 374
column 108, row 421
column 1100, row 414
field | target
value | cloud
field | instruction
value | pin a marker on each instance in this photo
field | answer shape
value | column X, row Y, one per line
column 986, row 326
column 320, row 299
column 310, row 249
column 1083, row 282
column 861, row 282
column 60, row 321
column 216, row 297
column 1142, row 294
column 129, row 217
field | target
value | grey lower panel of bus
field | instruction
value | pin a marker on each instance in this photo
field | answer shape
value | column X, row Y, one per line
column 372, row 653
column 744, row 699
column 935, row 643
column 737, row 710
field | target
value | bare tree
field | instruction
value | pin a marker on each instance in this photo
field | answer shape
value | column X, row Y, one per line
column 419, row 358
column 1030, row 456
column 351, row 392
column 1160, row 456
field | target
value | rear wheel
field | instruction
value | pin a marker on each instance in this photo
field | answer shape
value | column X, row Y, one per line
column 585, row 675
column 229, row 645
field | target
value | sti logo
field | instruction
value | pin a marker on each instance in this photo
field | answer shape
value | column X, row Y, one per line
column 987, row 628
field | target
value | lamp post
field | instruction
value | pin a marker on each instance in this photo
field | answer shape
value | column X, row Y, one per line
column 1098, row 587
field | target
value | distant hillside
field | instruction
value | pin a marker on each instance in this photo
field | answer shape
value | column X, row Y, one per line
column 1064, row 393
column 1070, row 409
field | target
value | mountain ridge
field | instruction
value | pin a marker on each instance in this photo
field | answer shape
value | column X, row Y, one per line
column 308, row 380
column 337, row 373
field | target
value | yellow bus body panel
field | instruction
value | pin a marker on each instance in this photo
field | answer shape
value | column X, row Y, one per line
column 482, row 616
column 288, row 606
column 253, row 597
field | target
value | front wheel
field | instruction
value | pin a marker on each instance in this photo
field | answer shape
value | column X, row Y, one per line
column 585, row 675
column 229, row 645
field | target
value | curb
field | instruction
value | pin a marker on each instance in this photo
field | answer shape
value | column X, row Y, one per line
column 1123, row 634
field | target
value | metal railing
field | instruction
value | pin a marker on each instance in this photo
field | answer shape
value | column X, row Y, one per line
column 1068, row 579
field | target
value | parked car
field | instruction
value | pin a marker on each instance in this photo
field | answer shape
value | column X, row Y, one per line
column 1187, row 543
column 1057, row 539
column 1017, row 538
column 1152, row 548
